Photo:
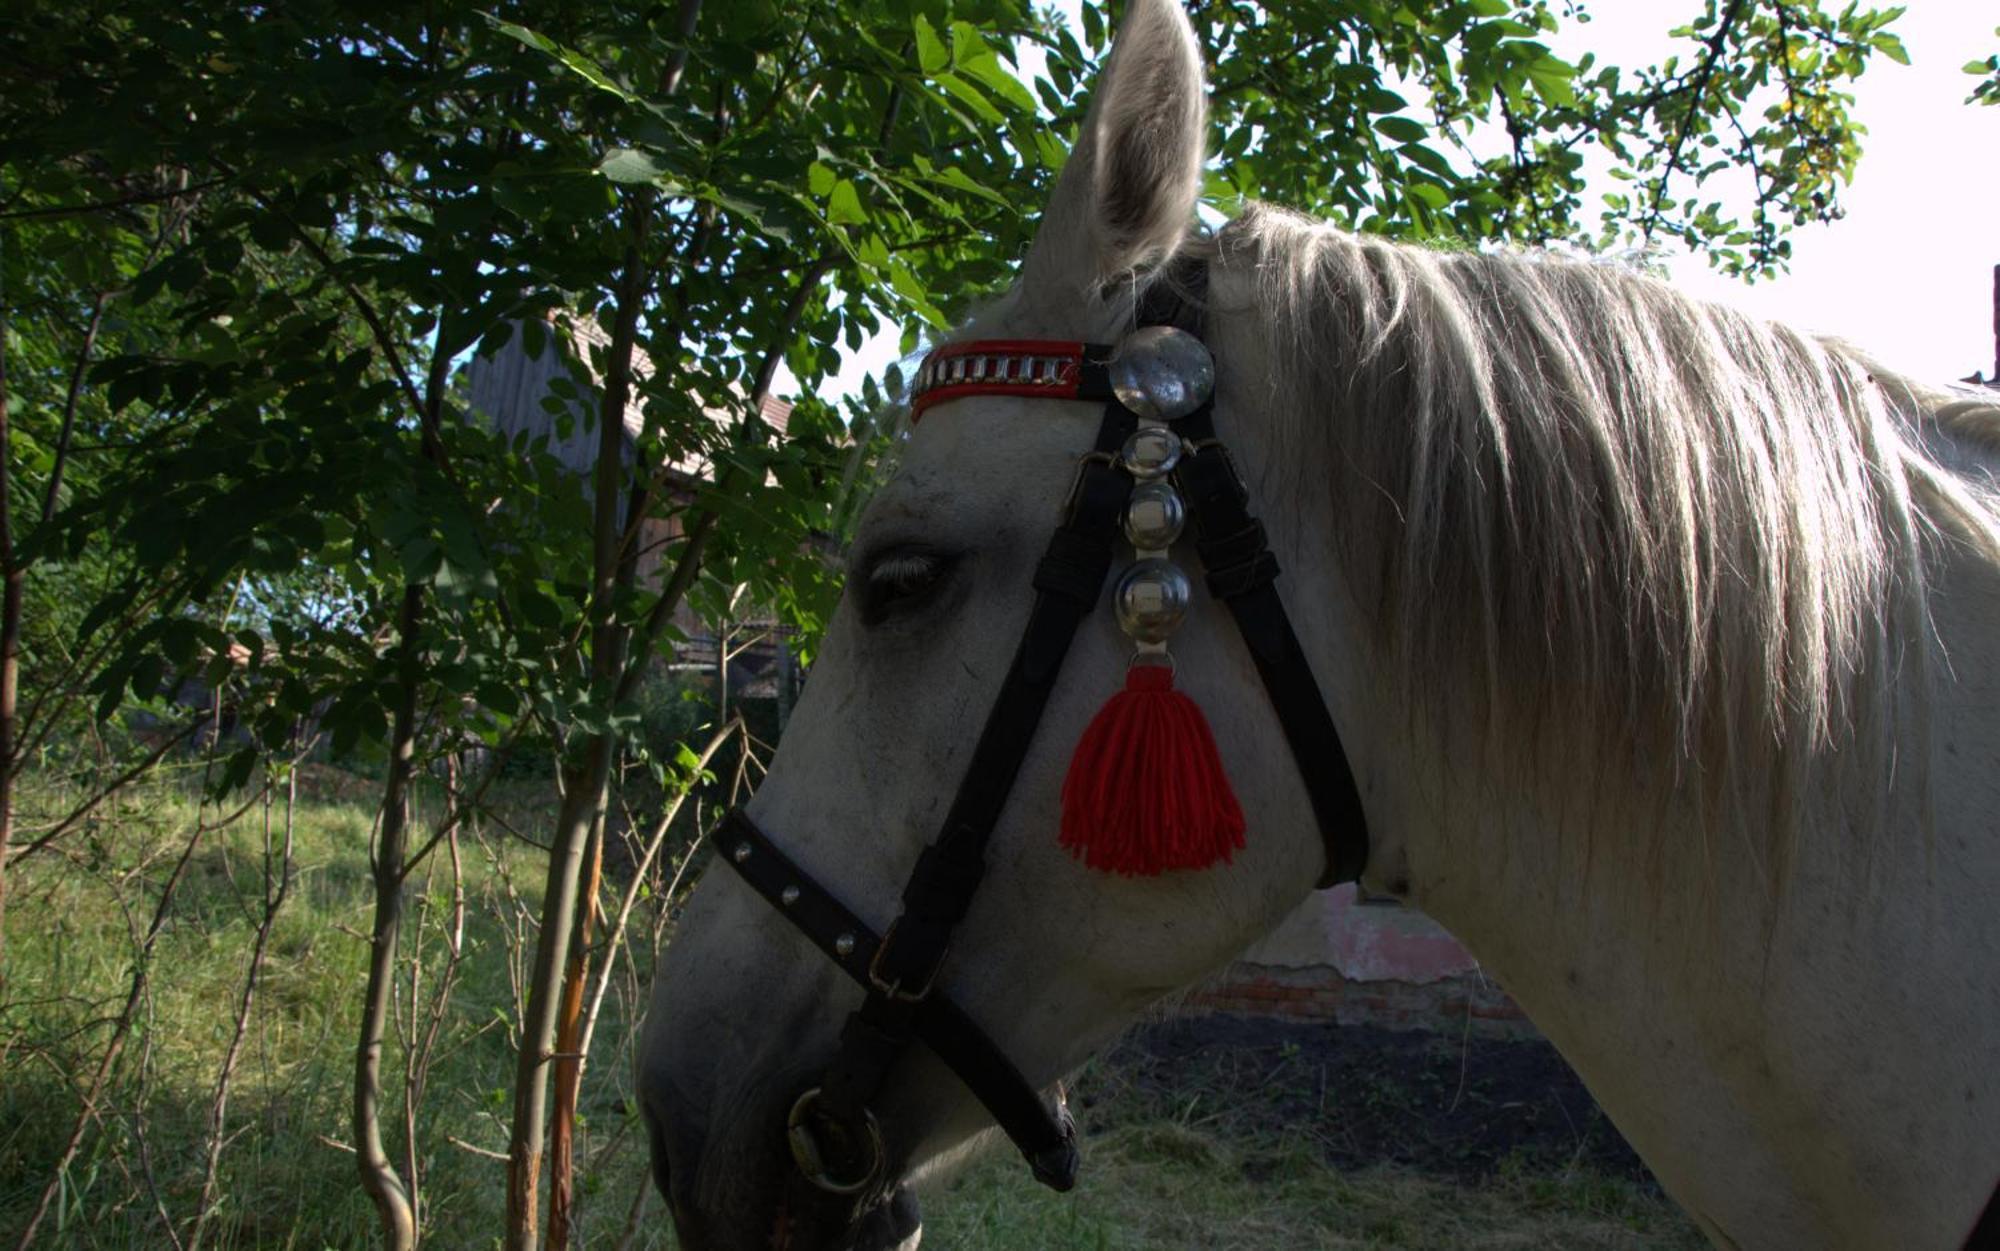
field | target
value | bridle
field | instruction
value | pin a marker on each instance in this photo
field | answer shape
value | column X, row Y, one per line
column 834, row 1138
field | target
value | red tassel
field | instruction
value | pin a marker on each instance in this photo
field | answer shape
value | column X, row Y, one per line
column 1146, row 792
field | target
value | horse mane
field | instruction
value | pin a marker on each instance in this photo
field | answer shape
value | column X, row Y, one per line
column 1602, row 515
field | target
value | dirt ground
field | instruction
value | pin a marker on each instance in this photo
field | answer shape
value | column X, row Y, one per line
column 1458, row 1107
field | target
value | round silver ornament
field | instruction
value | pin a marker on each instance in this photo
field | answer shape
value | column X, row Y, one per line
column 1150, row 452
column 1154, row 517
column 1152, row 599
column 1162, row 373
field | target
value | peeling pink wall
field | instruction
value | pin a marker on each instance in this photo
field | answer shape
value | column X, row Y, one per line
column 1335, row 960
column 1365, row 942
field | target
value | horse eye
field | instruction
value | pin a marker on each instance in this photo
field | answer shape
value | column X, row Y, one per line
column 901, row 581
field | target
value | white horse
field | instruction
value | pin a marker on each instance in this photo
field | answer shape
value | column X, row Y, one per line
column 1665, row 645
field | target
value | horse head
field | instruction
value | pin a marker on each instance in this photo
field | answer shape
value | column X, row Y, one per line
column 1052, row 957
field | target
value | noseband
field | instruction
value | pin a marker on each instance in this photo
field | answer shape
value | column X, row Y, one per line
column 834, row 1138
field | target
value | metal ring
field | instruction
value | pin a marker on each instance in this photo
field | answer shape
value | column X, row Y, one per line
column 1151, row 654
column 812, row 1164
column 1084, row 462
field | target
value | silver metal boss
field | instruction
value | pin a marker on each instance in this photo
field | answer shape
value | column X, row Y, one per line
column 1162, row 373
column 1150, row 452
column 1152, row 600
column 1154, row 517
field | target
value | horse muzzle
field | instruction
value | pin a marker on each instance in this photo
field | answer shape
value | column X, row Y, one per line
column 744, row 1187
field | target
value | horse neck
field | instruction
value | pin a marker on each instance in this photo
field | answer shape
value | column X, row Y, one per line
column 1705, row 993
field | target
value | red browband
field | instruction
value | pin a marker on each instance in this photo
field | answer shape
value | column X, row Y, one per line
column 1049, row 369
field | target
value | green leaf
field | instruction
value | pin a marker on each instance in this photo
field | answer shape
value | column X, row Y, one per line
column 1552, row 79
column 843, row 206
column 953, row 176
column 1890, row 46
column 630, row 165
column 569, row 59
column 819, row 179
column 974, row 57
column 972, row 97
column 1402, row 129
column 932, row 57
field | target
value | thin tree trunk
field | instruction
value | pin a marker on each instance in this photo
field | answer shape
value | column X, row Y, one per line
column 569, row 1056
column 70, row 399
column 378, row 1175
column 586, row 786
column 722, row 634
column 391, row 1195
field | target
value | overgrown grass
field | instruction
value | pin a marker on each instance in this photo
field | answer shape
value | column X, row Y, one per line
column 1152, row 1179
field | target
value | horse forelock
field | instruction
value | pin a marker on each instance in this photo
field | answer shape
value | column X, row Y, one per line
column 1589, row 513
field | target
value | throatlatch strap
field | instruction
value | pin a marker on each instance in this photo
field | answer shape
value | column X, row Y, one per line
column 1242, row 573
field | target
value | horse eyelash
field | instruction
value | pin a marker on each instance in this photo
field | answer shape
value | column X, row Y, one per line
column 904, row 571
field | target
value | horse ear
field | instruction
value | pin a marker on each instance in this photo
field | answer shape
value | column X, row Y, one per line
column 1126, row 196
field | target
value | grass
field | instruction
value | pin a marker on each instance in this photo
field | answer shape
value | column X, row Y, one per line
column 1155, row 1176
column 1162, row 1185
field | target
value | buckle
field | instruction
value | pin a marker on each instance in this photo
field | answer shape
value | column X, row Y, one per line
column 894, row 990
column 811, row 1160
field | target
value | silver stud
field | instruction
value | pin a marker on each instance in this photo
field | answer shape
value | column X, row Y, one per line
column 1152, row 600
column 788, row 896
column 1162, row 373
column 1150, row 452
column 1154, row 517
column 740, row 852
column 844, row 945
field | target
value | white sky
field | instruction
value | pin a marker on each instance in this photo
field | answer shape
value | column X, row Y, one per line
column 1908, row 273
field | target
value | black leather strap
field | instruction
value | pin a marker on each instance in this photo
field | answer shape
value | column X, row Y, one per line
column 1040, row 1126
column 1242, row 573
column 1985, row 1236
